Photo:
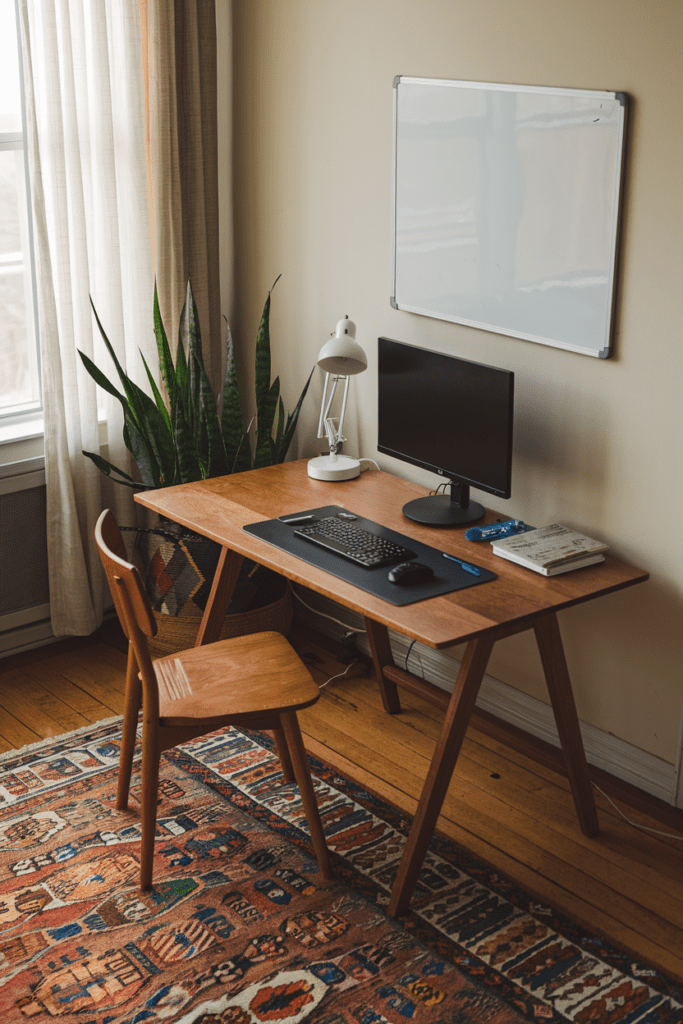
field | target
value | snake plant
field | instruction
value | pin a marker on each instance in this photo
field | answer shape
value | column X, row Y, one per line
column 186, row 437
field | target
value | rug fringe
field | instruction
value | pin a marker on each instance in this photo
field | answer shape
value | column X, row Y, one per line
column 9, row 754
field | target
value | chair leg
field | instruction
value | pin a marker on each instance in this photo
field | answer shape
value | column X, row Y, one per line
column 133, row 702
column 290, row 724
column 283, row 753
column 150, row 790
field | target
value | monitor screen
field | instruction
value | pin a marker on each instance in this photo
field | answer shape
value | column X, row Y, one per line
column 448, row 415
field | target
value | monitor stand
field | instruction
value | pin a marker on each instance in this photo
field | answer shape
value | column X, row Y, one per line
column 454, row 509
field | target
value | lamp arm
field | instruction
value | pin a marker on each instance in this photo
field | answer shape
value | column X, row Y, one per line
column 343, row 409
column 329, row 426
column 326, row 404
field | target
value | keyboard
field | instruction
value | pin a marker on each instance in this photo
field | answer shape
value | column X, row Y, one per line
column 355, row 543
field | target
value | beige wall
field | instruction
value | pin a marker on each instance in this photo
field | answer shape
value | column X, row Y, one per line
column 598, row 443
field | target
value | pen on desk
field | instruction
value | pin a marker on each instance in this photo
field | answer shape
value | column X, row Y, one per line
column 463, row 565
column 295, row 520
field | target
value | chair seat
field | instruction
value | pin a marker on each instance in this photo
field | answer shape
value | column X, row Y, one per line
column 241, row 676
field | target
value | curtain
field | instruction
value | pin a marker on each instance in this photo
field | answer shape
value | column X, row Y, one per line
column 179, row 43
column 86, row 145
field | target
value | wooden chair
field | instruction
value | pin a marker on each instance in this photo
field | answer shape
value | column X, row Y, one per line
column 255, row 681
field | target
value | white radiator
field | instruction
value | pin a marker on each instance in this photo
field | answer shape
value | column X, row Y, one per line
column 24, row 588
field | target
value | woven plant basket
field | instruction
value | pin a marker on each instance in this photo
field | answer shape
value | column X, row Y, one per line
column 178, row 568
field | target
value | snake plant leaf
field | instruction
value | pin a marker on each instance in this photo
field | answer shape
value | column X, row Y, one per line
column 156, row 466
column 154, row 434
column 142, row 451
column 262, row 380
column 100, row 378
column 158, row 397
column 108, row 468
column 190, row 343
column 168, row 374
column 231, row 413
column 265, row 417
column 186, row 450
column 242, row 461
column 132, row 392
column 211, row 449
column 279, row 432
column 290, row 428
column 182, row 374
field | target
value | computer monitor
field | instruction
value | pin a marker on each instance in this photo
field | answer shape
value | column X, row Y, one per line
column 450, row 416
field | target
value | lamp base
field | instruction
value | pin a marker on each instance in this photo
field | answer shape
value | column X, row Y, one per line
column 325, row 467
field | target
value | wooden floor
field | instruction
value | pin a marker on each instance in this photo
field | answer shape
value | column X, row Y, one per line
column 509, row 801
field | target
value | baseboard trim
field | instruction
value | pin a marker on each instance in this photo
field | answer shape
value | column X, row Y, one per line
column 25, row 638
column 615, row 756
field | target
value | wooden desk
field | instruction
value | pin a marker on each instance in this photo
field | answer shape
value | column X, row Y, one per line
column 518, row 600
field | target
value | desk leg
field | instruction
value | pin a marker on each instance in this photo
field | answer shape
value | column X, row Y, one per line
column 380, row 648
column 550, row 647
column 438, row 778
column 224, row 580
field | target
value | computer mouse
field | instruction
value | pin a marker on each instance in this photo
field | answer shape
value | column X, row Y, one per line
column 409, row 574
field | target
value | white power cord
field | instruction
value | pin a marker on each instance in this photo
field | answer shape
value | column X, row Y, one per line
column 642, row 828
column 339, row 675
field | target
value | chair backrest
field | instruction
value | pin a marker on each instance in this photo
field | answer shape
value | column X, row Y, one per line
column 121, row 573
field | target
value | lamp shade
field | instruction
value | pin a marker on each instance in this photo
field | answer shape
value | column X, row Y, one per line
column 342, row 354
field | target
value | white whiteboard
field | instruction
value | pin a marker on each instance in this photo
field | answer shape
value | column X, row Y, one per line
column 506, row 208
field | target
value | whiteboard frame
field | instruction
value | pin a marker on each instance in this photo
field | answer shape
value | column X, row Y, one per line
column 598, row 347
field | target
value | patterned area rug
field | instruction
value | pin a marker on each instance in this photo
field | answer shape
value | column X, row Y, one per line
column 239, row 927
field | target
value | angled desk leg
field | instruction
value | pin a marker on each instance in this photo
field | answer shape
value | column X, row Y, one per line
column 550, row 648
column 380, row 648
column 224, row 580
column 438, row 778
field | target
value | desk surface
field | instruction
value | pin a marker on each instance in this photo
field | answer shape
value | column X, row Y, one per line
column 220, row 507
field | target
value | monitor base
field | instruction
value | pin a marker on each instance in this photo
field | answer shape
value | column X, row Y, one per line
column 439, row 510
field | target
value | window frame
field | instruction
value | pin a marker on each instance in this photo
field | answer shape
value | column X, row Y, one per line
column 26, row 417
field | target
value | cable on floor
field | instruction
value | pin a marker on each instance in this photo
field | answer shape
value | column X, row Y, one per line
column 642, row 828
column 339, row 675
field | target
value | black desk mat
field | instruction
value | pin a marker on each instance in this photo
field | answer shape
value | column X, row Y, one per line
column 448, row 575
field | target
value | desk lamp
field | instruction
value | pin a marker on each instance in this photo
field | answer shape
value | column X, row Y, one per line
column 340, row 358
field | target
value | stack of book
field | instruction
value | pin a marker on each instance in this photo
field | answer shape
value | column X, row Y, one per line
column 550, row 550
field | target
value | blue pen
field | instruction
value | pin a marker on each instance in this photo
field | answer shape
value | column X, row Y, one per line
column 463, row 565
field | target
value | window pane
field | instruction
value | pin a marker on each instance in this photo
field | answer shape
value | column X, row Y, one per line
column 19, row 378
column 10, row 95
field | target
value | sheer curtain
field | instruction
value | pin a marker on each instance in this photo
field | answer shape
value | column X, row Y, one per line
column 86, row 145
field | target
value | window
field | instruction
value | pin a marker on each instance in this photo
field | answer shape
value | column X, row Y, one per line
column 19, row 359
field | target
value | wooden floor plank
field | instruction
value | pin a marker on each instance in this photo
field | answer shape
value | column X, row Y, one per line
column 15, row 732
column 46, row 702
column 85, row 704
column 91, row 679
column 40, row 718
